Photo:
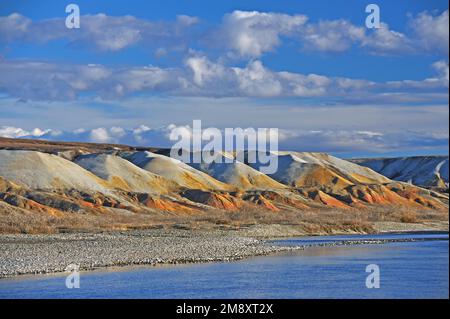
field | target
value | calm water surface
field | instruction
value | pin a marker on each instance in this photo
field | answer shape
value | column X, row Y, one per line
column 407, row 270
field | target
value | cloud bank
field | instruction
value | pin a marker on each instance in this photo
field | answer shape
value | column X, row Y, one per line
column 105, row 33
column 335, row 141
column 199, row 77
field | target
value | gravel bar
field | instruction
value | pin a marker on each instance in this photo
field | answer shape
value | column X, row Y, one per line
column 40, row 254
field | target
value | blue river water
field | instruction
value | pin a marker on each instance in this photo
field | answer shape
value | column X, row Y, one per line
column 417, row 269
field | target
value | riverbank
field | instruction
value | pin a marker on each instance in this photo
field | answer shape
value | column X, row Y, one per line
column 43, row 254
column 286, row 231
column 328, row 267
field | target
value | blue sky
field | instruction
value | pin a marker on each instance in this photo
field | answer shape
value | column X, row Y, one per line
column 310, row 68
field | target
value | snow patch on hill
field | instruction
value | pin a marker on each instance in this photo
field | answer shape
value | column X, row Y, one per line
column 418, row 170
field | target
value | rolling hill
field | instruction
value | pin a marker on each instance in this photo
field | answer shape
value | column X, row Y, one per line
column 237, row 174
column 174, row 170
column 103, row 181
column 298, row 169
column 123, row 174
column 38, row 170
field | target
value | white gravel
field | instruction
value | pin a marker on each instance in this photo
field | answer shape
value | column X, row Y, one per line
column 38, row 254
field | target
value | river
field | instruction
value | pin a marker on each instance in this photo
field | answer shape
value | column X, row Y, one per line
column 417, row 269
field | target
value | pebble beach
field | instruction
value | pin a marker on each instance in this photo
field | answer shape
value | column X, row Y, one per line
column 41, row 254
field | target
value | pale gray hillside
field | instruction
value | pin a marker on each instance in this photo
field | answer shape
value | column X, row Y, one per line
column 38, row 170
column 124, row 174
column 417, row 170
column 314, row 169
column 228, row 170
column 174, row 170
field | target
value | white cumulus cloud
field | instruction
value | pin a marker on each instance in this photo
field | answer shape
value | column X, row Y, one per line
column 252, row 33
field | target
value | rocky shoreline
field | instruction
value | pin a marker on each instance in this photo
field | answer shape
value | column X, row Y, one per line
column 43, row 254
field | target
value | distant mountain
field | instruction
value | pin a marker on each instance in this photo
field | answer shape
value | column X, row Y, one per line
column 427, row 171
